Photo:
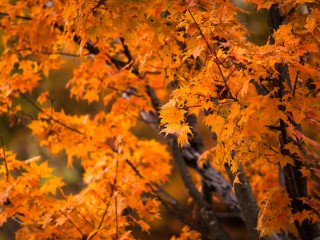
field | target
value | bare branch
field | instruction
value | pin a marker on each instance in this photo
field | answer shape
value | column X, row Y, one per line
column 170, row 203
column 159, row 190
column 212, row 178
column 126, row 50
column 185, row 175
column 295, row 85
column 246, row 200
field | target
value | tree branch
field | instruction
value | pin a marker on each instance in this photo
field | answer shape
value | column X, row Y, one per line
column 171, row 203
column 296, row 184
column 159, row 190
column 209, row 175
column 246, row 200
column 89, row 46
column 211, row 228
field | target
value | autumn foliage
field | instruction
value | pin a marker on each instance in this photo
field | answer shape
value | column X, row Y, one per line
column 171, row 64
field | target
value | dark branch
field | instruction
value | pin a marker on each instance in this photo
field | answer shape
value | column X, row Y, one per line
column 168, row 201
column 17, row 16
column 295, row 182
column 246, row 200
column 126, row 50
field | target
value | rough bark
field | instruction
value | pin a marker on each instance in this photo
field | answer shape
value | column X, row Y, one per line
column 246, row 200
column 211, row 229
column 209, row 175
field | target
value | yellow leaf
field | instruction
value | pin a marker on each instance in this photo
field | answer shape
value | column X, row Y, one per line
column 144, row 226
column 171, row 114
column 181, row 131
column 43, row 97
column 275, row 214
column 303, row 215
column 310, row 24
column 197, row 51
column 183, row 135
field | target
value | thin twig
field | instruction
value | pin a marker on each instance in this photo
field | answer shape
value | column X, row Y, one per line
column 106, row 209
column 50, row 117
column 116, row 212
column 115, row 197
column 78, row 229
column 17, row 16
column 5, row 158
column 63, row 53
column 151, row 73
column 111, row 195
column 134, row 169
column 295, row 86
column 212, row 52
column 269, row 147
column 125, row 91
column 172, row 205
column 180, row 217
column 231, row 72
column 158, row 190
column 201, row 33
column 84, row 218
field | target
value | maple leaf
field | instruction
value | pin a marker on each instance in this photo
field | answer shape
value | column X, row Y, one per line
column 284, row 160
column 187, row 233
column 310, row 24
column 171, row 114
column 201, row 63
column 183, row 135
column 214, row 121
column 182, row 131
column 190, row 3
column 303, row 215
column 144, row 226
column 60, row 221
column 43, row 97
column 196, row 52
column 237, row 179
column 205, row 156
column 275, row 212
column 51, row 185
